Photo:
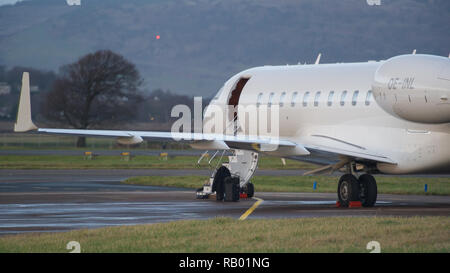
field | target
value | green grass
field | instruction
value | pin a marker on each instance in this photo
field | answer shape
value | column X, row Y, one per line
column 114, row 162
column 386, row 184
column 338, row 234
column 37, row 141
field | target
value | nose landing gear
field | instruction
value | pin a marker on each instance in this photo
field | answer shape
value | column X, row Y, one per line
column 232, row 180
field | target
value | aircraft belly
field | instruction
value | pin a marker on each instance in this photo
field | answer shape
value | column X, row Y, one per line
column 318, row 157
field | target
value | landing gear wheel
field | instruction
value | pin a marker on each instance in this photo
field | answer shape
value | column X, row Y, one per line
column 219, row 184
column 232, row 189
column 250, row 190
column 348, row 189
column 368, row 190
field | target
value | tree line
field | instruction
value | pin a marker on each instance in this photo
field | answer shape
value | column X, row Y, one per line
column 100, row 90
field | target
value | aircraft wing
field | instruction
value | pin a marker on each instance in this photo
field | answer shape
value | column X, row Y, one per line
column 209, row 141
column 325, row 145
column 334, row 147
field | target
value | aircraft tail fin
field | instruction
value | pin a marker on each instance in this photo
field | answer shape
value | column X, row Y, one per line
column 24, row 122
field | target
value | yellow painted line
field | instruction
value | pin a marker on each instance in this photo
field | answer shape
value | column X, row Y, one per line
column 255, row 147
column 250, row 210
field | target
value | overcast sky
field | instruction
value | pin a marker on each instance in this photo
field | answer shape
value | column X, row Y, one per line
column 4, row 2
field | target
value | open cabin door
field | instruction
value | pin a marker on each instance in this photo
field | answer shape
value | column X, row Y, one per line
column 233, row 101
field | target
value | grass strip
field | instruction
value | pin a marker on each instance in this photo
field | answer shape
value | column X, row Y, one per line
column 386, row 184
column 136, row 162
column 336, row 234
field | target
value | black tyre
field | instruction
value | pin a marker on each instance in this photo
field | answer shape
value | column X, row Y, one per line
column 236, row 192
column 219, row 184
column 250, row 190
column 348, row 189
column 368, row 190
column 232, row 189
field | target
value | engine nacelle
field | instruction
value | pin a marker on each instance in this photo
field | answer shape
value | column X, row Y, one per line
column 131, row 140
column 414, row 87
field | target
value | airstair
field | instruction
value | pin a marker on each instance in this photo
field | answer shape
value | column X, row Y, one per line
column 241, row 164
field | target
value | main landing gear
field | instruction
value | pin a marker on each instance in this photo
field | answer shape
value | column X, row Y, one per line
column 353, row 190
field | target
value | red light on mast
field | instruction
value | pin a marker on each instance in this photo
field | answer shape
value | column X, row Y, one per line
column 158, row 37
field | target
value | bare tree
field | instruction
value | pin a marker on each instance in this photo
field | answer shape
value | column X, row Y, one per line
column 100, row 87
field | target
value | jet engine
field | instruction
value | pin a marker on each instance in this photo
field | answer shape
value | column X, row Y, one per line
column 414, row 87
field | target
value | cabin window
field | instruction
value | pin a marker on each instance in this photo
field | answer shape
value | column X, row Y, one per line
column 344, row 93
column 269, row 104
column 368, row 97
column 294, row 96
column 355, row 97
column 283, row 95
column 316, row 99
column 305, row 99
column 330, row 98
column 258, row 100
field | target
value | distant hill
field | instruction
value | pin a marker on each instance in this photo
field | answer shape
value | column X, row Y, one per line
column 204, row 42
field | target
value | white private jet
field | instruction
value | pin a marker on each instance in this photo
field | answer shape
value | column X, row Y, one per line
column 390, row 117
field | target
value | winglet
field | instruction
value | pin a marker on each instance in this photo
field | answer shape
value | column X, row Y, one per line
column 318, row 58
column 24, row 122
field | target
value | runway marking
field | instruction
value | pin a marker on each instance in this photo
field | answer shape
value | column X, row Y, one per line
column 252, row 208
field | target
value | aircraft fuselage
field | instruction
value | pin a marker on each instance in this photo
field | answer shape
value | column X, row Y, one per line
column 399, row 108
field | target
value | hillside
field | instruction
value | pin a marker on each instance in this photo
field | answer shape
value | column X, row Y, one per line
column 203, row 42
